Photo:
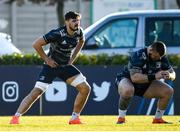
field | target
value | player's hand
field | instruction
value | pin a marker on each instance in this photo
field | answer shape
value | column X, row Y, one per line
column 51, row 62
column 159, row 75
column 165, row 74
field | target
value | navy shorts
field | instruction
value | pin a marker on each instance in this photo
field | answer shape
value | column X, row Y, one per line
column 48, row 74
column 139, row 89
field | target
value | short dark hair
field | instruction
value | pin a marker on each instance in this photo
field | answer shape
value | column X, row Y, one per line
column 72, row 15
column 159, row 47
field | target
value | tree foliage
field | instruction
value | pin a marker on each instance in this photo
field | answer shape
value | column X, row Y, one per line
column 178, row 3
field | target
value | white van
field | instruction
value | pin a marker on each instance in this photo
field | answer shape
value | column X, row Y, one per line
column 123, row 32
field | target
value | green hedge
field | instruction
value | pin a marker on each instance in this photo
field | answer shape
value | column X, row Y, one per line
column 19, row 59
column 102, row 59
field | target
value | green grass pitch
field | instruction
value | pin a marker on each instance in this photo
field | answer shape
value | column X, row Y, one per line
column 92, row 123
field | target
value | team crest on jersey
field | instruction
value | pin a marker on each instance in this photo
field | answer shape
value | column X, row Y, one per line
column 158, row 64
column 144, row 66
column 144, row 56
column 64, row 42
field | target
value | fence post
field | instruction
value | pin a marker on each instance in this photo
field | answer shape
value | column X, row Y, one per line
column 14, row 22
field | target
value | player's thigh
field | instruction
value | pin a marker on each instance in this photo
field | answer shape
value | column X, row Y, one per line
column 47, row 74
column 125, row 87
column 76, row 78
column 68, row 73
column 158, row 89
column 80, row 83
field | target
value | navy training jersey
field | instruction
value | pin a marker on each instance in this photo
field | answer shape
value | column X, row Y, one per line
column 140, row 60
column 62, row 44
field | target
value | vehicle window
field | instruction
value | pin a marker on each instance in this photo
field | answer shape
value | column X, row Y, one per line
column 166, row 30
column 119, row 33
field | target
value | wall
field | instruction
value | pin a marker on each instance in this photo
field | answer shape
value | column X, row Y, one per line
column 5, row 18
column 32, row 21
column 27, row 22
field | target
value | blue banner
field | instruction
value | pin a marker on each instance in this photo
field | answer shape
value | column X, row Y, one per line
column 17, row 81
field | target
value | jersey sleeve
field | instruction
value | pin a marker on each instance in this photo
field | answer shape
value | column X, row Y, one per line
column 136, row 63
column 51, row 36
column 165, row 63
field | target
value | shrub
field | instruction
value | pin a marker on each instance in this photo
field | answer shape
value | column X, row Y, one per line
column 101, row 59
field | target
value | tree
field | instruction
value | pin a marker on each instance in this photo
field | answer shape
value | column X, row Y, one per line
column 59, row 8
column 178, row 3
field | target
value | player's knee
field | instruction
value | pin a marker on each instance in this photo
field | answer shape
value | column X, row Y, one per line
column 84, row 88
column 169, row 92
column 127, row 92
column 125, row 88
column 78, row 80
column 41, row 86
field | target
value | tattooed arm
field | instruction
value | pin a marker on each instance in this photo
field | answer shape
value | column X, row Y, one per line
column 138, row 77
column 135, row 66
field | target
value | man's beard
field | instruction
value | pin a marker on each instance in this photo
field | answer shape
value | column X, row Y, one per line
column 74, row 29
column 149, row 57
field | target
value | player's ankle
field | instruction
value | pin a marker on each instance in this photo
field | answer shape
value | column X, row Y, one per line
column 75, row 115
column 17, row 114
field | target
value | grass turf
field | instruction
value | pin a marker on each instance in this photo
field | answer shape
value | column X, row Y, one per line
column 92, row 123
